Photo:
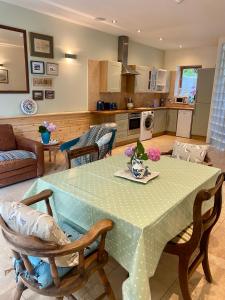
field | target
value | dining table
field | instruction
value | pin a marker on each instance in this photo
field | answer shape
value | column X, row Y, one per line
column 145, row 216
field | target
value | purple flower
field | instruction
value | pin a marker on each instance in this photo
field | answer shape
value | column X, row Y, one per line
column 153, row 154
column 129, row 151
column 45, row 124
column 51, row 127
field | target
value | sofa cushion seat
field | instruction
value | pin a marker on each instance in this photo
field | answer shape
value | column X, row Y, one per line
column 16, row 155
column 42, row 273
column 12, row 165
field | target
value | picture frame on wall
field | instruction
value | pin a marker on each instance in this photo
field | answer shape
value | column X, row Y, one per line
column 37, row 95
column 4, row 76
column 49, row 94
column 37, row 67
column 41, row 45
column 42, row 82
column 52, row 69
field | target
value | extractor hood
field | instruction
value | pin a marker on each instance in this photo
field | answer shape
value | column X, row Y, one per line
column 123, row 42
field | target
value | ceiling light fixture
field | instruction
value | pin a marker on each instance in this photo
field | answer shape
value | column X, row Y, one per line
column 161, row 39
column 139, row 30
column 180, row 46
column 114, row 21
column 178, row 1
column 100, row 19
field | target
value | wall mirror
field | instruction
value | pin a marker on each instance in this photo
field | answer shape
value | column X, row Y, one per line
column 14, row 76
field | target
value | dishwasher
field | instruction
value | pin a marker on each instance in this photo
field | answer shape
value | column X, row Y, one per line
column 184, row 122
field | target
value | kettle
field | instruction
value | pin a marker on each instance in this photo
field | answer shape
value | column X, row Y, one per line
column 100, row 105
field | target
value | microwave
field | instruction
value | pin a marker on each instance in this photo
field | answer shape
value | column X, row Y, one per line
column 180, row 99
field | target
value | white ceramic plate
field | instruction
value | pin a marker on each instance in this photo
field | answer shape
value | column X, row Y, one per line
column 29, row 107
column 52, row 142
column 127, row 175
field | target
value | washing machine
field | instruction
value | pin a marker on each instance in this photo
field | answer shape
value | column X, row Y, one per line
column 147, row 123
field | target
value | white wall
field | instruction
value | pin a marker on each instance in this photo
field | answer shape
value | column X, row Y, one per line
column 205, row 56
column 71, row 84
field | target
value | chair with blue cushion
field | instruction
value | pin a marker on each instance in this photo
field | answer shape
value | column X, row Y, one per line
column 35, row 259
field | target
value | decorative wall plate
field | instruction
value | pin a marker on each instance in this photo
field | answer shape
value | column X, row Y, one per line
column 29, row 107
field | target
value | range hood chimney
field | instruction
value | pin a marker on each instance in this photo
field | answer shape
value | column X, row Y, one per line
column 123, row 42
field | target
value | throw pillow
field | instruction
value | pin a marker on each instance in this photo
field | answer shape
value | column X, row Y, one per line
column 27, row 221
column 104, row 139
column 190, row 152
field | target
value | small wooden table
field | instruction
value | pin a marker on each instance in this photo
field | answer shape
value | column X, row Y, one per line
column 52, row 149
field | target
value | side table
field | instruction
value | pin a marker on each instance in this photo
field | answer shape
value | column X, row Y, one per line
column 52, row 149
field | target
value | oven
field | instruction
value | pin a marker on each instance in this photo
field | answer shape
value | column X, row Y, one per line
column 134, row 124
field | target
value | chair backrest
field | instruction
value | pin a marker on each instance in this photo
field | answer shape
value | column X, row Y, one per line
column 79, row 152
column 204, row 222
column 7, row 138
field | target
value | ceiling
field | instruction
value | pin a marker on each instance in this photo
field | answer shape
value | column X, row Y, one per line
column 192, row 23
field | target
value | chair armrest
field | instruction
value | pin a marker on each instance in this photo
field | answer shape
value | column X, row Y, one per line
column 69, row 144
column 35, row 147
column 167, row 153
column 44, row 195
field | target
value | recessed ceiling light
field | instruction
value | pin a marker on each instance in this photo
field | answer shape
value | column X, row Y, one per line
column 180, row 46
column 161, row 39
column 100, row 19
column 139, row 30
column 114, row 21
column 178, row 1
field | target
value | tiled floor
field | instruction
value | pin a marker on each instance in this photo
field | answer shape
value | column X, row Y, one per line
column 164, row 284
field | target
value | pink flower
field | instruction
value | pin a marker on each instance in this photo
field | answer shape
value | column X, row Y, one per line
column 129, row 151
column 51, row 127
column 153, row 154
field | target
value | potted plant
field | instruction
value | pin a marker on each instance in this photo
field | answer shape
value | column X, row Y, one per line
column 137, row 156
column 45, row 130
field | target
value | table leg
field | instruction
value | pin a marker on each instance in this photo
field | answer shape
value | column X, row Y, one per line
column 50, row 157
column 55, row 152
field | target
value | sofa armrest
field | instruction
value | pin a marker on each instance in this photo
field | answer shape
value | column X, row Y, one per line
column 23, row 143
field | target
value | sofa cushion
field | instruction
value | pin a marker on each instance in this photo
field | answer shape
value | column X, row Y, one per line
column 27, row 221
column 12, row 165
column 42, row 272
column 190, row 152
column 16, row 154
column 7, row 138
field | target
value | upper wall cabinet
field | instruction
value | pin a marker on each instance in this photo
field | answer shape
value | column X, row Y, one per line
column 142, row 80
column 159, row 81
column 110, row 76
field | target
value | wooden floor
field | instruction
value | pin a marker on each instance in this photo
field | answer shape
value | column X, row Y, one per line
column 164, row 284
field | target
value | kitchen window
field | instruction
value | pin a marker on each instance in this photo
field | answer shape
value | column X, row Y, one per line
column 187, row 77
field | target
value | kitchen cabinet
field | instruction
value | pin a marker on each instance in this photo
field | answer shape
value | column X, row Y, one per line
column 159, row 81
column 160, row 119
column 122, row 127
column 184, row 120
column 171, row 120
column 110, row 76
column 142, row 80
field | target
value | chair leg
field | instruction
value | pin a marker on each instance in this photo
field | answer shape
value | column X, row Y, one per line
column 71, row 297
column 105, row 282
column 205, row 262
column 59, row 298
column 20, row 287
column 183, row 279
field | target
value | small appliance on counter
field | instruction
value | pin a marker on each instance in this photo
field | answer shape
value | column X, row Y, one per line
column 130, row 103
column 101, row 105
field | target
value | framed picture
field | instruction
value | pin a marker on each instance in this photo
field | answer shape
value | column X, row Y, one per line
column 41, row 45
column 37, row 95
column 4, row 76
column 49, row 94
column 37, row 67
column 42, row 82
column 52, row 69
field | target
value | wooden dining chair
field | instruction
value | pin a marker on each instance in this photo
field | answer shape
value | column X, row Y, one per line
column 207, row 160
column 25, row 246
column 191, row 245
column 79, row 152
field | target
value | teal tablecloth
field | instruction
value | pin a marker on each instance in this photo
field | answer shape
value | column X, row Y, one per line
column 146, row 216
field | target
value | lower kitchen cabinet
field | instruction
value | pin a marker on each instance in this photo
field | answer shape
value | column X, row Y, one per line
column 172, row 120
column 200, row 119
column 160, row 117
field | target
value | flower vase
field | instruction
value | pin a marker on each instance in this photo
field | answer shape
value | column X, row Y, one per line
column 45, row 136
column 137, row 168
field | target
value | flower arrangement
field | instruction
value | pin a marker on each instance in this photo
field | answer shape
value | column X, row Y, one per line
column 50, row 127
column 138, row 152
column 137, row 155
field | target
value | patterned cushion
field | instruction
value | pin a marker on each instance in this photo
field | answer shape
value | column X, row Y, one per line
column 184, row 236
column 105, row 139
column 42, row 272
column 16, row 154
column 27, row 221
column 190, row 152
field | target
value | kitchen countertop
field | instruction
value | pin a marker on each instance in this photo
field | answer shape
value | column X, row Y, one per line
column 140, row 109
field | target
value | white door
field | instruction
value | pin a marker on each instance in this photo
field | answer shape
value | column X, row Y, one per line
column 114, row 76
column 142, row 80
column 184, row 123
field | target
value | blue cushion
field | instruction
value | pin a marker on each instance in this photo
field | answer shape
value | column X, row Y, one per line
column 16, row 154
column 42, row 272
